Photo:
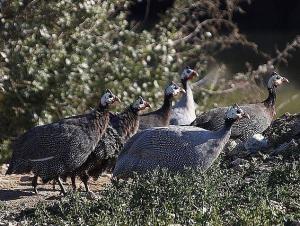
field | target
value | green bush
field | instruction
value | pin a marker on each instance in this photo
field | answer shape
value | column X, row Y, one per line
column 57, row 57
column 219, row 196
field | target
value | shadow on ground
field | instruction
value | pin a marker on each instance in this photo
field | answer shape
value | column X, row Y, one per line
column 6, row 195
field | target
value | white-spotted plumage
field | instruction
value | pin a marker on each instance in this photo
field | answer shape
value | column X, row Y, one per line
column 121, row 127
column 52, row 150
column 261, row 114
column 174, row 147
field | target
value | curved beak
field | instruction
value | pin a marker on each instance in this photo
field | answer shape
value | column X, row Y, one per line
column 195, row 74
column 117, row 99
column 182, row 90
column 285, row 80
column 147, row 104
column 246, row 115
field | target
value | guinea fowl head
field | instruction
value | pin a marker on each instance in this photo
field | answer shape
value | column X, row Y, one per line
column 276, row 80
column 108, row 99
column 188, row 74
column 140, row 104
column 235, row 113
column 173, row 90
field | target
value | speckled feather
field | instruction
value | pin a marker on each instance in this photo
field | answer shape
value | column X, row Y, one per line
column 260, row 119
column 261, row 114
column 170, row 147
column 53, row 149
column 121, row 127
column 160, row 117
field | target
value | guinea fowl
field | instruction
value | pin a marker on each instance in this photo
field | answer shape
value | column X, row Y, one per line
column 175, row 147
column 161, row 117
column 183, row 113
column 55, row 149
column 261, row 114
column 122, row 126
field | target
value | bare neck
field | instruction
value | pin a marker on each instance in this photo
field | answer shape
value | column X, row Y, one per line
column 166, row 107
column 187, row 98
column 128, row 122
column 270, row 101
column 226, row 129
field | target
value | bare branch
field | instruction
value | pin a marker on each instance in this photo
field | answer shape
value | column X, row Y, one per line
column 200, row 27
column 225, row 91
column 282, row 56
column 284, row 103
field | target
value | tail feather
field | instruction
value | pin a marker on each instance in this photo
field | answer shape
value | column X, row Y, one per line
column 18, row 167
column 105, row 165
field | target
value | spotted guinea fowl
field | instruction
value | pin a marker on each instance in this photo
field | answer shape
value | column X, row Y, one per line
column 175, row 147
column 60, row 147
column 261, row 114
column 161, row 117
column 122, row 126
column 183, row 113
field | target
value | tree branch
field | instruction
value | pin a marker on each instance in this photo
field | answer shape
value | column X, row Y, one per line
column 225, row 91
column 199, row 27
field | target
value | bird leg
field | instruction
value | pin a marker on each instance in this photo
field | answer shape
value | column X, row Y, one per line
column 53, row 184
column 84, row 177
column 61, row 186
column 34, row 184
column 73, row 177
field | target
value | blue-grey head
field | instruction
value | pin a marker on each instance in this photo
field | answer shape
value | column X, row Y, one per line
column 276, row 80
column 235, row 113
column 188, row 74
column 108, row 98
column 140, row 104
column 173, row 90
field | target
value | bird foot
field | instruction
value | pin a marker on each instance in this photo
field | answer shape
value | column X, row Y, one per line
column 35, row 191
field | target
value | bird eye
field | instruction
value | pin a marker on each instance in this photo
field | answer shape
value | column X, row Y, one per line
column 277, row 77
column 110, row 96
column 141, row 102
column 189, row 70
column 238, row 111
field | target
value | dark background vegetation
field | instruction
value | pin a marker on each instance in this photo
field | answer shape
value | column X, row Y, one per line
column 268, row 23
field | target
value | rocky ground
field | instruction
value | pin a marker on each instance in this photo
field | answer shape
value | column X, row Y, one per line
column 16, row 193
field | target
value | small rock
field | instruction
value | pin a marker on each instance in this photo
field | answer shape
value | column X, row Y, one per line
column 239, row 164
column 256, row 143
column 286, row 147
column 231, row 145
column 292, row 223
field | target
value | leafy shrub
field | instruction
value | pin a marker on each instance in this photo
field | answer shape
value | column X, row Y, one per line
column 219, row 196
column 57, row 57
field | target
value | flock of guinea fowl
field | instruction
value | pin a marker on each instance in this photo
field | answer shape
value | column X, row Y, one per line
column 172, row 137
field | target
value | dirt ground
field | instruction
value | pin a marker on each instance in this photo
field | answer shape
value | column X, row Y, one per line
column 16, row 193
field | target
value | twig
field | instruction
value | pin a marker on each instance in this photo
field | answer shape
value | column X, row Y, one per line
column 280, row 57
column 283, row 104
column 147, row 11
column 285, row 53
column 225, row 91
column 212, row 76
column 199, row 27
